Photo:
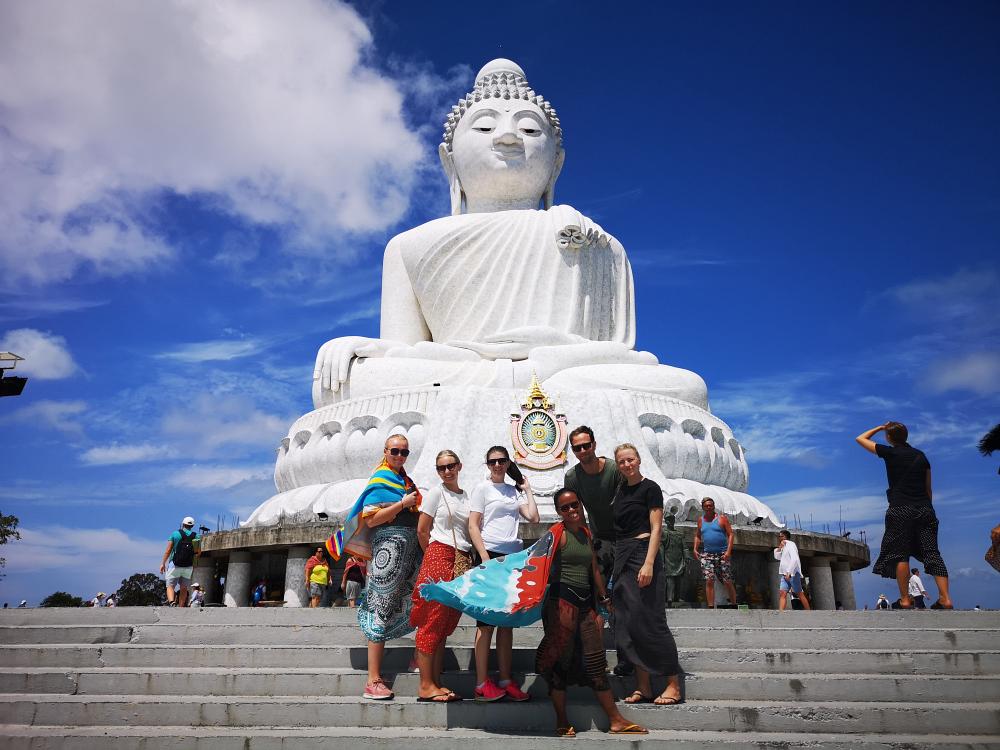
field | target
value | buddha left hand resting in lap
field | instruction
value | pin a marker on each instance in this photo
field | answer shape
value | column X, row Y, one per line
column 500, row 289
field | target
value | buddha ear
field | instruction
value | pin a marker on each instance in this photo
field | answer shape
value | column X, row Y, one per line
column 548, row 197
column 454, row 186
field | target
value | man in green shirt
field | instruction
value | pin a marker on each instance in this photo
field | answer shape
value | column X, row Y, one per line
column 595, row 480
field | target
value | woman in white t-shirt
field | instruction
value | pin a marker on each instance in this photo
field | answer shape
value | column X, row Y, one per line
column 494, row 511
column 443, row 533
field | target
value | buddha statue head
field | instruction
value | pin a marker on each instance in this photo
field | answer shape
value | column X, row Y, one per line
column 502, row 144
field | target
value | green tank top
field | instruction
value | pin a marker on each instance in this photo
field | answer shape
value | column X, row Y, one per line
column 574, row 563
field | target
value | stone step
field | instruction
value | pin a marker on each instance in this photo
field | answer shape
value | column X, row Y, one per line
column 534, row 716
column 22, row 737
column 399, row 653
column 346, row 616
column 964, row 639
column 343, row 681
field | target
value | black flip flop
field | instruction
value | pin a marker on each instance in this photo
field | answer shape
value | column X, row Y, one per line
column 449, row 697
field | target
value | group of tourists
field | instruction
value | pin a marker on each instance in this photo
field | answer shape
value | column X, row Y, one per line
column 415, row 543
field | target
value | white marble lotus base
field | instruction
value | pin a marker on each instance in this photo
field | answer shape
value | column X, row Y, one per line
column 330, row 452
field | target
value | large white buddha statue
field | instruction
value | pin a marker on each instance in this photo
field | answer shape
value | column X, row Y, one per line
column 508, row 322
column 501, row 289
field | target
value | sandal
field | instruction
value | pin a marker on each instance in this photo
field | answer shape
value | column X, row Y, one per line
column 630, row 729
column 638, row 697
column 565, row 732
column 899, row 605
column 447, row 695
column 939, row 605
column 667, row 700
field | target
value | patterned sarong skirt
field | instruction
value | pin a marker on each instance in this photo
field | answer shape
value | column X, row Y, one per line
column 434, row 621
column 572, row 650
column 910, row 531
column 384, row 607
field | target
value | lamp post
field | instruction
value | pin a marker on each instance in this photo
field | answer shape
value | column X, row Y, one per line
column 10, row 385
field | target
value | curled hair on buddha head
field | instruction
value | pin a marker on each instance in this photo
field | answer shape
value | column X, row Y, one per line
column 896, row 432
column 561, row 493
column 582, row 430
column 499, row 79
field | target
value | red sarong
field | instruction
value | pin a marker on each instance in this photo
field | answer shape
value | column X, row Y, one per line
column 434, row 621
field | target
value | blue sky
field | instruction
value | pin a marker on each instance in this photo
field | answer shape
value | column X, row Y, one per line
column 196, row 197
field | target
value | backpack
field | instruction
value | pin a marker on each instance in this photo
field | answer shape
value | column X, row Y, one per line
column 184, row 551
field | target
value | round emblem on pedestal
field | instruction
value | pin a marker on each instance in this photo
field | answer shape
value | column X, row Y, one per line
column 538, row 431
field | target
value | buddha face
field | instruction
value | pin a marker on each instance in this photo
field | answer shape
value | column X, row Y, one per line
column 504, row 152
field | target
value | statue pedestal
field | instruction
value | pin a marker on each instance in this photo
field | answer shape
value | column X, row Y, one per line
column 329, row 453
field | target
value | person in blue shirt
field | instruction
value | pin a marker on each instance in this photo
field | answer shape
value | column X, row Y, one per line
column 715, row 537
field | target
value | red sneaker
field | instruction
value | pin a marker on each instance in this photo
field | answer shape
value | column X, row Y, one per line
column 515, row 693
column 489, row 693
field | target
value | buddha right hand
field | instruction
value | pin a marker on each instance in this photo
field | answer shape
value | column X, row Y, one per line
column 333, row 361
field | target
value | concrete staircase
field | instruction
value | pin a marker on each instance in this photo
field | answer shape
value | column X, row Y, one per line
column 283, row 678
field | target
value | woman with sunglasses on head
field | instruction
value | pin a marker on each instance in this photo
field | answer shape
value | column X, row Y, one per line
column 494, row 511
column 641, row 633
column 572, row 650
column 443, row 532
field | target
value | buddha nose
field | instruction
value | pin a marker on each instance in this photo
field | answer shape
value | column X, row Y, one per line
column 507, row 135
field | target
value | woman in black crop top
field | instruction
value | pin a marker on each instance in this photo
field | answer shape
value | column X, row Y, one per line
column 640, row 624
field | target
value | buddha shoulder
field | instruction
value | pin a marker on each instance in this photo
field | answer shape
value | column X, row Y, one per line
column 567, row 227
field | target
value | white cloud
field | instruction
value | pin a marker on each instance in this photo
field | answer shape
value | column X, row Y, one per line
column 58, row 415
column 221, row 350
column 80, row 561
column 966, row 294
column 266, row 111
column 125, row 454
column 45, row 354
column 364, row 313
column 779, row 419
column 828, row 505
column 214, row 421
column 978, row 372
column 219, row 477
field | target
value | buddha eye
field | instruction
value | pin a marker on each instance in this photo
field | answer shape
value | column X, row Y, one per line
column 484, row 125
column 528, row 126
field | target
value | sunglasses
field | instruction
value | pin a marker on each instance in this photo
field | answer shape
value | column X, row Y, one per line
column 447, row 467
column 497, row 461
column 583, row 446
column 569, row 506
column 404, row 452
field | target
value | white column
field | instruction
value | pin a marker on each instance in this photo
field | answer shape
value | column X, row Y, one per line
column 843, row 585
column 204, row 576
column 296, row 591
column 774, row 582
column 820, row 583
column 238, row 580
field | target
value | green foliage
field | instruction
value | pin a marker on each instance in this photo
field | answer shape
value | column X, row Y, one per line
column 8, row 530
column 990, row 441
column 141, row 590
column 61, row 599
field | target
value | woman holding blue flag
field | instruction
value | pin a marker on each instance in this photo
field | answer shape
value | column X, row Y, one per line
column 382, row 527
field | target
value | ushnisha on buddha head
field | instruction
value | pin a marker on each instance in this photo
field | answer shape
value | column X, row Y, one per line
column 502, row 146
